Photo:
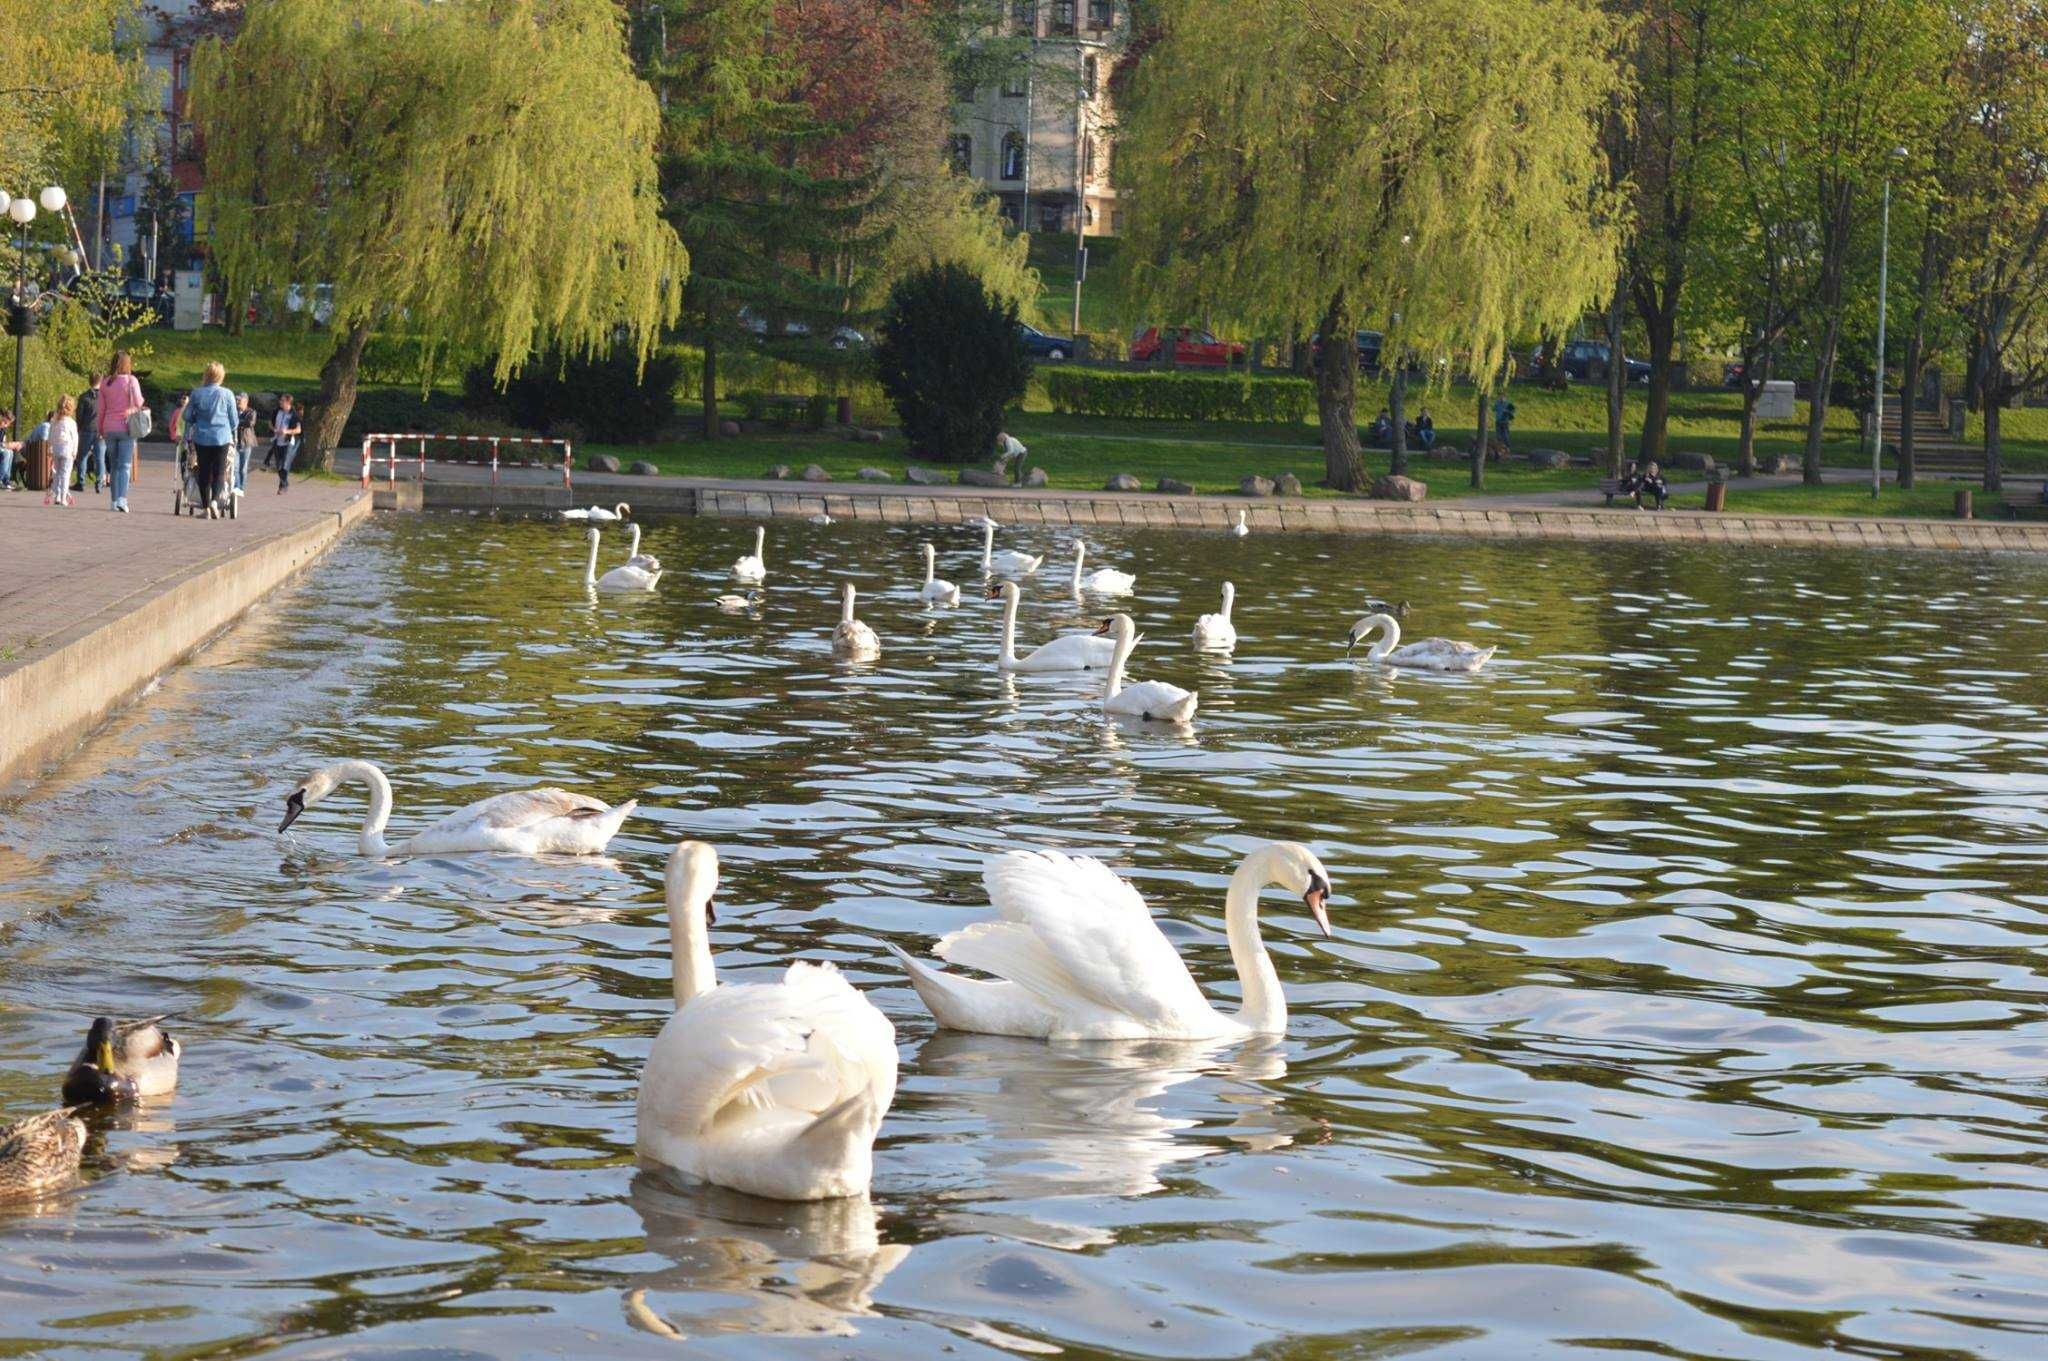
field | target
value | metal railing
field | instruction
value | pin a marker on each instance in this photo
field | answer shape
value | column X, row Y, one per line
column 392, row 458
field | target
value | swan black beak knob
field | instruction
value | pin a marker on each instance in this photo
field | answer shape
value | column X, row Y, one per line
column 293, row 806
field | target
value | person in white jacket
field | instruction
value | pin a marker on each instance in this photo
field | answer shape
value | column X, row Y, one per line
column 63, row 449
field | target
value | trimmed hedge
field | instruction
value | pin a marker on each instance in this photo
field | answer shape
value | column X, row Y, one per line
column 1178, row 396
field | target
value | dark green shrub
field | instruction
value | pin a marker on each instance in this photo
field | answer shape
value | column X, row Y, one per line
column 609, row 397
column 948, row 357
column 1178, row 396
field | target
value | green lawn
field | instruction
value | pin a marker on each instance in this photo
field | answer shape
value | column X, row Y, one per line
column 1929, row 500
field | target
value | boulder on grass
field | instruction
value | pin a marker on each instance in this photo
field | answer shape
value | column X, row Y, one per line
column 779, row 473
column 868, row 436
column 1392, row 488
column 982, row 477
column 1774, row 464
column 923, row 477
column 813, row 473
column 1287, row 484
column 873, row 475
column 1121, row 482
column 1690, row 461
column 1251, row 484
column 600, row 463
column 642, row 468
column 1173, row 486
column 1548, row 458
column 1036, row 478
column 728, row 428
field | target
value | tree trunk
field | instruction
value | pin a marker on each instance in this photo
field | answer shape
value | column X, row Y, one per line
column 336, row 398
column 1397, row 408
column 1547, row 346
column 1617, row 378
column 1994, row 406
column 1479, row 443
column 1337, row 400
column 1909, row 385
column 708, row 386
column 1745, row 453
column 1663, row 337
column 1817, row 409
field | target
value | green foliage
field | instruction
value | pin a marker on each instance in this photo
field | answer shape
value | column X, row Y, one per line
column 65, row 88
column 949, row 358
column 44, row 380
column 614, row 398
column 90, row 322
column 1177, row 396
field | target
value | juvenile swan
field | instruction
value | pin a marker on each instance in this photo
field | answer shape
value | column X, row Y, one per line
column 1068, row 652
column 530, row 822
column 853, row 640
column 1431, row 654
column 773, row 1089
column 1077, row 956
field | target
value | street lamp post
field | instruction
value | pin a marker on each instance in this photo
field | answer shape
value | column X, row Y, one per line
column 22, row 211
column 1884, row 260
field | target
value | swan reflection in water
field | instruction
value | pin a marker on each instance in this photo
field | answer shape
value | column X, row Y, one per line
column 792, row 1269
column 1084, row 1120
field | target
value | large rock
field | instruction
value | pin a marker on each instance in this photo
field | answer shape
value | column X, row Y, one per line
column 982, row 477
column 1548, row 458
column 873, row 475
column 1036, row 478
column 923, row 477
column 1690, row 461
column 779, row 473
column 1398, row 489
column 600, row 463
column 1173, row 486
column 868, row 436
column 728, row 428
column 1122, row 482
column 1774, row 464
column 1251, row 484
column 1287, row 484
column 813, row 473
column 642, row 468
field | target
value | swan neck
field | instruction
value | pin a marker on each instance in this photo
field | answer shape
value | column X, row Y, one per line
column 590, row 567
column 1264, row 1008
column 1009, row 626
column 371, row 842
column 1125, row 641
column 1080, row 552
column 1229, row 598
column 633, row 550
column 931, row 559
column 689, row 939
column 1389, row 639
column 988, row 545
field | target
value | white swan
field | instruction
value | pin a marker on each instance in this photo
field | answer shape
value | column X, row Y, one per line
column 1077, row 955
column 530, row 822
column 1240, row 529
column 636, row 558
column 1154, row 700
column 935, row 591
column 773, row 1089
column 1009, row 562
column 1102, row 581
column 1215, row 632
column 853, row 640
column 1430, row 654
column 754, row 566
column 821, row 520
column 599, row 514
column 627, row 578
column 1068, row 652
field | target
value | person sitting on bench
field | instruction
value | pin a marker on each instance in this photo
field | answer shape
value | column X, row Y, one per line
column 1645, row 480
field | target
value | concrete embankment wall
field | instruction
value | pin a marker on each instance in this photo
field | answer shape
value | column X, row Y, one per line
column 54, row 700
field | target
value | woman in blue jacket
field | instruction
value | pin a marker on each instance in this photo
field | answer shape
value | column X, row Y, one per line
column 209, row 422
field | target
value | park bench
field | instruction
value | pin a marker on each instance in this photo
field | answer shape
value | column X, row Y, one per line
column 1610, row 487
column 2027, row 505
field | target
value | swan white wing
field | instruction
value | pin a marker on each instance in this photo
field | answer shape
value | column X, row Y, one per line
column 1441, row 654
column 1093, row 931
column 1155, row 700
column 1021, row 564
column 856, row 639
column 646, row 562
column 629, row 578
column 1213, row 631
column 1071, row 652
column 940, row 592
column 750, row 568
column 524, row 808
column 1109, row 581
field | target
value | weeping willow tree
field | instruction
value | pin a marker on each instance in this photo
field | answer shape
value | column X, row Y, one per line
column 1429, row 168
column 480, row 171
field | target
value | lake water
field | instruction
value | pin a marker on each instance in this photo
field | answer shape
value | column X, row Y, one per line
column 1686, row 998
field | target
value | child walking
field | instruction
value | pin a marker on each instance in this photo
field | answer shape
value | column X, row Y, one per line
column 63, row 449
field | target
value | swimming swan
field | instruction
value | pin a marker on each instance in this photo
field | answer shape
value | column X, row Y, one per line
column 1430, row 654
column 530, row 822
column 1009, row 562
column 1068, row 652
column 1077, row 955
column 627, row 578
column 773, row 1089
column 754, row 567
column 599, row 514
column 1215, row 632
column 636, row 558
column 853, row 640
column 1102, row 581
column 935, row 591
column 1154, row 700
column 1240, row 529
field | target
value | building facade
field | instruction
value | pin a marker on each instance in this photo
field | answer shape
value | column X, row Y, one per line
column 1039, row 137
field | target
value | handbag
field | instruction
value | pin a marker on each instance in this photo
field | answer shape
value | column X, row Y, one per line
column 139, row 423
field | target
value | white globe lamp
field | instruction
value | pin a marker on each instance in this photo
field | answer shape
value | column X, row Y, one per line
column 53, row 198
column 22, row 210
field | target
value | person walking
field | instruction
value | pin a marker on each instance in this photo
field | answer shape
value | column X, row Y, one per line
column 209, row 422
column 245, row 441
column 63, row 440
column 91, row 452
column 8, row 449
column 284, row 440
column 121, row 421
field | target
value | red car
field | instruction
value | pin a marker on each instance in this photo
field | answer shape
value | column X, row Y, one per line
column 1191, row 346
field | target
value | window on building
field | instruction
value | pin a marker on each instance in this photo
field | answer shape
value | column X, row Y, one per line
column 1013, row 156
column 1063, row 17
column 963, row 152
column 1024, row 18
column 1101, row 14
column 1087, row 158
column 1088, row 213
column 1014, row 86
column 1090, row 74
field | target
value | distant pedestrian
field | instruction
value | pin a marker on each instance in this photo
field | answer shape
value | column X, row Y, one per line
column 245, row 441
column 122, row 420
column 92, row 455
column 8, row 449
column 1503, row 418
column 1425, row 431
column 284, row 440
column 208, row 420
column 63, row 442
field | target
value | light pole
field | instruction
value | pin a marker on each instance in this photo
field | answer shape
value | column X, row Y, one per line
column 1884, row 259
column 20, row 321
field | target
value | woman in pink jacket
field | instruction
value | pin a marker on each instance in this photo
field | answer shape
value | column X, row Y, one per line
column 119, row 394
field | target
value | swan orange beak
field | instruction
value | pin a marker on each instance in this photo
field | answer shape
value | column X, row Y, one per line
column 1315, row 900
column 293, row 806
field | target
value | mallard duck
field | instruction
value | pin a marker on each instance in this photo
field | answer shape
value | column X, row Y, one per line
column 123, row 1060
column 39, row 1153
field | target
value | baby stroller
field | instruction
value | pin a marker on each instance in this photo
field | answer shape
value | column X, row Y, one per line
column 189, row 498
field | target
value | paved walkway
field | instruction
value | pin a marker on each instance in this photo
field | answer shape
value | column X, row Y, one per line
column 65, row 568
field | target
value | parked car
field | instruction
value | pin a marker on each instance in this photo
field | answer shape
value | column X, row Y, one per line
column 841, row 337
column 1580, row 359
column 1039, row 345
column 157, row 300
column 320, row 300
column 1368, row 343
column 1191, row 346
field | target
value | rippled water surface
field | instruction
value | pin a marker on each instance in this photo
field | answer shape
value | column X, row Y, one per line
column 1686, row 999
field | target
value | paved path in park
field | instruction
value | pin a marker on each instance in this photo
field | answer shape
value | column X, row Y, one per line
column 67, row 567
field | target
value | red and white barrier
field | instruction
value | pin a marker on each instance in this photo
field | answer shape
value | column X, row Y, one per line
column 393, row 458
